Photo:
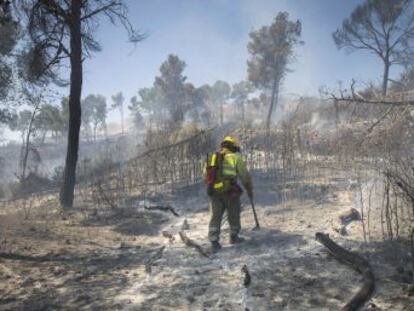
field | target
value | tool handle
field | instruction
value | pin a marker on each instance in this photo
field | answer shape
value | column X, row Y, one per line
column 256, row 220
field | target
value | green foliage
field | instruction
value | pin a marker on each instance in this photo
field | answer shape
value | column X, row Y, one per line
column 5, row 79
column 217, row 96
column 136, row 113
column 33, row 65
column 220, row 92
column 49, row 119
column 374, row 23
column 94, row 112
column 118, row 100
column 384, row 28
column 240, row 94
column 20, row 122
column 240, row 91
column 9, row 35
column 196, row 106
column 171, row 88
column 9, row 30
column 271, row 49
column 172, row 100
column 149, row 104
column 149, row 100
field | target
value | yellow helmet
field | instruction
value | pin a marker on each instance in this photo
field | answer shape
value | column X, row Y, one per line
column 232, row 141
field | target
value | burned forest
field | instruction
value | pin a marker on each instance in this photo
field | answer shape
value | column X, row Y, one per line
column 207, row 155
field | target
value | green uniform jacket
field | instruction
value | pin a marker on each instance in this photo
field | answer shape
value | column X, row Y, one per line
column 233, row 166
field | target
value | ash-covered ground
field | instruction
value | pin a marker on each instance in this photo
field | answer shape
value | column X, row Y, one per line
column 96, row 259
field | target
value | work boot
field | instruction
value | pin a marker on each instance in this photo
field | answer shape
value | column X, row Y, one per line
column 235, row 239
column 215, row 246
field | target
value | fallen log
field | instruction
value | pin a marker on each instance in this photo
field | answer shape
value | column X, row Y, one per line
column 167, row 208
column 247, row 278
column 356, row 262
column 190, row 243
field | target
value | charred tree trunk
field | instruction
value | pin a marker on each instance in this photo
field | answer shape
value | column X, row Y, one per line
column 273, row 103
column 385, row 77
column 27, row 144
column 69, row 177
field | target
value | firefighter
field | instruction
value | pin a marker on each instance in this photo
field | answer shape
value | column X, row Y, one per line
column 224, row 168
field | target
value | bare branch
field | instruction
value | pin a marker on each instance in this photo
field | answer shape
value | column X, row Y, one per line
column 101, row 9
column 54, row 8
column 374, row 102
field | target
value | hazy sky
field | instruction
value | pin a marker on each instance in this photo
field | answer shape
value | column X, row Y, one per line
column 211, row 37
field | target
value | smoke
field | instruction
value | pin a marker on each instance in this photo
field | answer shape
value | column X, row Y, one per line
column 316, row 122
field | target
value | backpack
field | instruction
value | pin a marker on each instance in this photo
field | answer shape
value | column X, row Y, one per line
column 214, row 179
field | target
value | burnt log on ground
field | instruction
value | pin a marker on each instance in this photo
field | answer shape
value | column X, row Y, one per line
column 247, row 277
column 357, row 263
column 190, row 243
column 161, row 208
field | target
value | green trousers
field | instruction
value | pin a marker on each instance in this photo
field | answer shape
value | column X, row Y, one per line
column 219, row 203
